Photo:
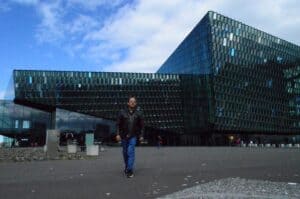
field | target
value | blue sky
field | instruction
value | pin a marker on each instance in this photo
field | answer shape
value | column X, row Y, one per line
column 119, row 35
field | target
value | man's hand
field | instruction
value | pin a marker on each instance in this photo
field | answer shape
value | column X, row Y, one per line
column 118, row 138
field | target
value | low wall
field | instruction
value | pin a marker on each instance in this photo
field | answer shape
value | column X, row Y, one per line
column 38, row 154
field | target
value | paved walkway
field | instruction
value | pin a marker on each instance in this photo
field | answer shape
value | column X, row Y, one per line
column 159, row 172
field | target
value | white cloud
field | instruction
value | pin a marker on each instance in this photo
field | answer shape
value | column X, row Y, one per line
column 151, row 30
column 56, row 25
column 51, row 27
column 148, row 32
column 82, row 24
column 63, row 27
column 277, row 17
column 138, row 37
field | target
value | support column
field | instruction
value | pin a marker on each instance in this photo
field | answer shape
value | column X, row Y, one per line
column 53, row 120
column 52, row 144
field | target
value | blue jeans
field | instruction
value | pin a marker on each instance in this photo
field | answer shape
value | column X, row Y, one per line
column 129, row 152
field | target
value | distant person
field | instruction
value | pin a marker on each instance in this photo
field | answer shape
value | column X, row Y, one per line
column 70, row 138
column 81, row 142
column 159, row 141
column 130, row 127
column 13, row 144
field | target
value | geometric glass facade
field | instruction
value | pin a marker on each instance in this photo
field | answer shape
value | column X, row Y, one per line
column 249, row 84
column 224, row 78
column 193, row 55
column 251, row 90
column 170, row 102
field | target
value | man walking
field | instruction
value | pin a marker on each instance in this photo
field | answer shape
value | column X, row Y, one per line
column 130, row 127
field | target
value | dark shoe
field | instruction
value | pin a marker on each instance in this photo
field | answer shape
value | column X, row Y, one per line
column 129, row 174
column 125, row 171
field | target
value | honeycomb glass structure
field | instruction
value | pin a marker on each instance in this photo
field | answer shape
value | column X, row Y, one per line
column 225, row 78
column 254, row 84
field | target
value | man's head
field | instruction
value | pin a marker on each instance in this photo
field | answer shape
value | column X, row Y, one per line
column 131, row 102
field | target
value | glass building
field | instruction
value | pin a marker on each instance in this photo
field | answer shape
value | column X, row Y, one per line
column 172, row 104
column 254, row 79
column 226, row 80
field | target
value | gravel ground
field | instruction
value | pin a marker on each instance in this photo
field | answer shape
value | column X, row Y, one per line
column 239, row 188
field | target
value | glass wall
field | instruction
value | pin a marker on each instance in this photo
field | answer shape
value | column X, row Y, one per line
column 79, row 124
column 103, row 94
column 193, row 55
column 249, row 84
column 20, row 122
column 248, row 88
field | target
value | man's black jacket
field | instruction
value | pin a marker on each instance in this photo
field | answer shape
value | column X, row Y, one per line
column 124, row 123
